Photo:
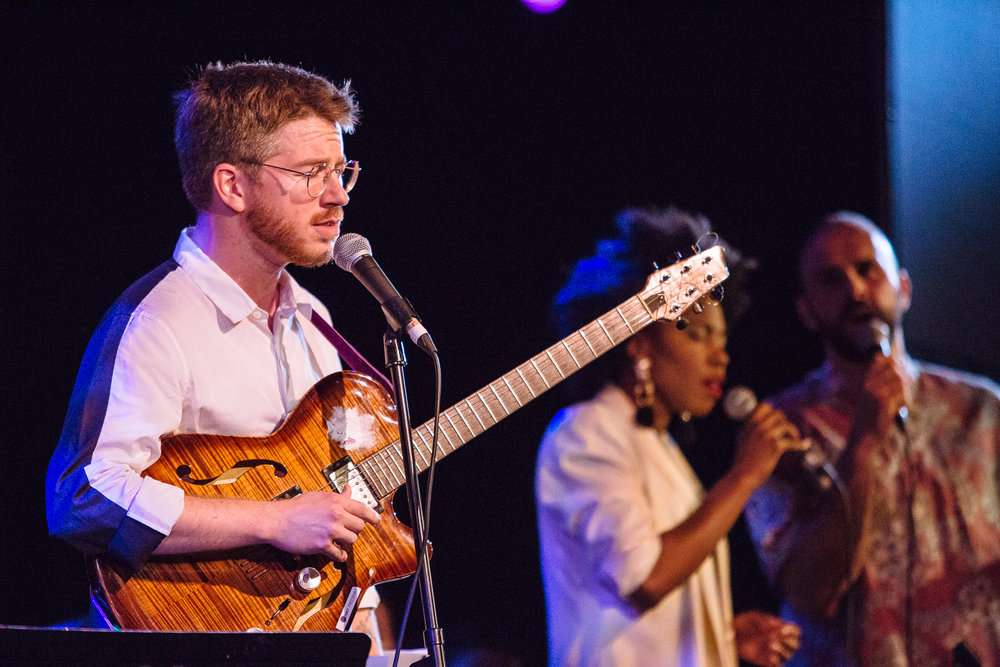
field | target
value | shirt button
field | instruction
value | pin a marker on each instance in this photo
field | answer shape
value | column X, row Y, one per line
column 257, row 314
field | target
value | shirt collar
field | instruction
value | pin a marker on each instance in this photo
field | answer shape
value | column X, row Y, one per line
column 223, row 291
column 291, row 296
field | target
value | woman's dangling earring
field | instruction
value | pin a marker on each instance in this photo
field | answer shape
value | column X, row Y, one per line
column 643, row 392
column 685, row 416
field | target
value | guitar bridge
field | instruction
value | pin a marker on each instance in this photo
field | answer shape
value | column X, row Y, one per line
column 343, row 473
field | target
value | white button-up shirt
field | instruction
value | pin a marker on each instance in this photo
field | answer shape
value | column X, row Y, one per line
column 606, row 490
column 184, row 350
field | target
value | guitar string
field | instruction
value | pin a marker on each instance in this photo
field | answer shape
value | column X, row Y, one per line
column 633, row 315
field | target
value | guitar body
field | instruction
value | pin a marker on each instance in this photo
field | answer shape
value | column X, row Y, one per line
column 345, row 418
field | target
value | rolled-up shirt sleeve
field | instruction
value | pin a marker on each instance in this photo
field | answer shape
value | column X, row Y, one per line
column 98, row 500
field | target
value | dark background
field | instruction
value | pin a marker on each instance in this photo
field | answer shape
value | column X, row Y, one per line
column 497, row 146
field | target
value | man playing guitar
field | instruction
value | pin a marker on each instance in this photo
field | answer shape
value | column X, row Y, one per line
column 218, row 339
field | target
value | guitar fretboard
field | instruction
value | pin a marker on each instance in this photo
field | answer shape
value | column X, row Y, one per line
column 477, row 412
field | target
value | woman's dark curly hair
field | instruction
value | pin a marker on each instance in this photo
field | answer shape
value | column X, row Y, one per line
column 619, row 268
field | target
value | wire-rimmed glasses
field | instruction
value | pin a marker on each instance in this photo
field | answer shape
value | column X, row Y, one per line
column 319, row 176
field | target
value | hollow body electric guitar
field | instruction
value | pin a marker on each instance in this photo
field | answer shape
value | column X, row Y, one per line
column 344, row 433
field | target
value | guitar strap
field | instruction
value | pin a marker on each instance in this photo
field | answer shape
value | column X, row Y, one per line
column 348, row 354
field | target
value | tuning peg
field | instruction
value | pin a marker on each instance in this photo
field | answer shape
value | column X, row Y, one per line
column 697, row 307
column 717, row 293
column 678, row 255
column 681, row 324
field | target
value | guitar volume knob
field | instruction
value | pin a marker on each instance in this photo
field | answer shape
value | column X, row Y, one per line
column 307, row 580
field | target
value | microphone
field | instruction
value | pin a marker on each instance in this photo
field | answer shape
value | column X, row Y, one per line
column 881, row 344
column 740, row 402
column 880, row 337
column 353, row 253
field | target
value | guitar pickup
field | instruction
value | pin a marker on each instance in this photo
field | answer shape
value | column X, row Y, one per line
column 343, row 473
column 290, row 492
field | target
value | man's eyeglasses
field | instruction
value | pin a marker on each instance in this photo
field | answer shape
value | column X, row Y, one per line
column 319, row 176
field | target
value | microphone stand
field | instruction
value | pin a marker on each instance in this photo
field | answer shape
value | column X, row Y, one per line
column 395, row 360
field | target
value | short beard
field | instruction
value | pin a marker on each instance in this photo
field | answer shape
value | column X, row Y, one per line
column 859, row 345
column 268, row 227
column 848, row 348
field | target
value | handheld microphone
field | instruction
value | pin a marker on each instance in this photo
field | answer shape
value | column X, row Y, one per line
column 740, row 402
column 880, row 338
column 881, row 344
column 353, row 253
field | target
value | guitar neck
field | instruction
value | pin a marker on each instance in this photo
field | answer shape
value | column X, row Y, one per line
column 667, row 294
column 503, row 397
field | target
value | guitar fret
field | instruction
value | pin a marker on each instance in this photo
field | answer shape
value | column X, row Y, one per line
column 600, row 323
column 373, row 481
column 626, row 323
column 468, row 428
column 398, row 474
column 474, row 414
column 561, row 374
column 444, row 446
column 584, row 337
column 603, row 339
column 370, row 464
column 456, row 411
column 487, row 406
column 513, row 393
column 389, row 462
column 391, row 474
column 525, row 382
column 547, row 386
column 384, row 472
column 416, row 434
column 499, row 400
column 643, row 319
column 452, row 424
column 458, row 433
column 429, row 444
column 429, row 440
column 619, row 311
column 392, row 468
column 447, row 437
column 571, row 355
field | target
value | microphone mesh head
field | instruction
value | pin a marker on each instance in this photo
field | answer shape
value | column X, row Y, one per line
column 349, row 248
column 880, row 333
column 739, row 403
column 872, row 339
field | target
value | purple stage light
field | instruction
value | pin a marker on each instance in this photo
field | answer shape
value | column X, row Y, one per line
column 543, row 6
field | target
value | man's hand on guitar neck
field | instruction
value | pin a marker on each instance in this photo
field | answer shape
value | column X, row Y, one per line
column 311, row 523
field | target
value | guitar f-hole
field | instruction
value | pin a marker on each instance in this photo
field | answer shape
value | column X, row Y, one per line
column 237, row 470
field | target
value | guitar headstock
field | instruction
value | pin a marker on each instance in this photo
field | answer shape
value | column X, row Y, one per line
column 670, row 291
